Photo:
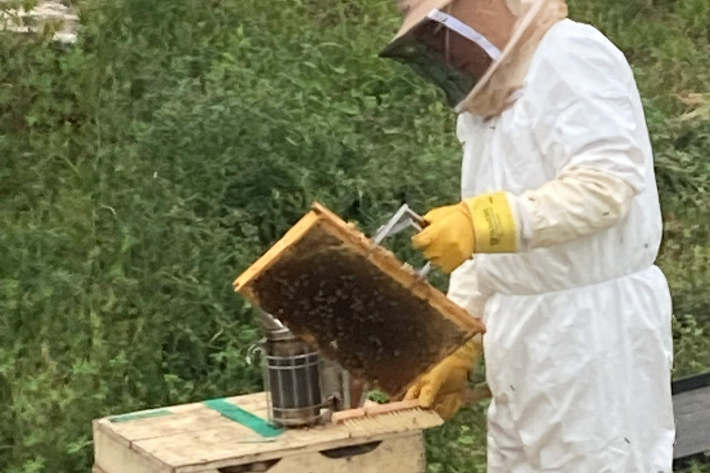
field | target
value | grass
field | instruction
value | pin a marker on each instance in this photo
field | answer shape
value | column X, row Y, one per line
column 148, row 165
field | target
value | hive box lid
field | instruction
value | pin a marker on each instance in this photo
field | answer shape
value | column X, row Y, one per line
column 199, row 438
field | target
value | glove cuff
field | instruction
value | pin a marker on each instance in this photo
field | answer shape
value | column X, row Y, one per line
column 494, row 222
column 469, row 354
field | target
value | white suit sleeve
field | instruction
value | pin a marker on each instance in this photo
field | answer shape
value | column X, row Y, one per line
column 587, row 132
column 463, row 289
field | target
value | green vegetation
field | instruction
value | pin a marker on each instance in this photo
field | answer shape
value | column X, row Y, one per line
column 144, row 168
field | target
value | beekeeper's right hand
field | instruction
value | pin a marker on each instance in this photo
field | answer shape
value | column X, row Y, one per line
column 442, row 388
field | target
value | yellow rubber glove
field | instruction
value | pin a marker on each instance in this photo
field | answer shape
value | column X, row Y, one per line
column 442, row 387
column 452, row 234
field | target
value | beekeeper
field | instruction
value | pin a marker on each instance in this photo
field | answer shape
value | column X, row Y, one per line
column 554, row 239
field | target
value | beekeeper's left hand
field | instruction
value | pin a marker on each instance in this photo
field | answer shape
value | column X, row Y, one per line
column 453, row 233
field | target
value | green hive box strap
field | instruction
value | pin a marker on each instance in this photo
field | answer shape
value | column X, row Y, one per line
column 237, row 414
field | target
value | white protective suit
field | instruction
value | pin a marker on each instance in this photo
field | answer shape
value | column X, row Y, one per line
column 578, row 347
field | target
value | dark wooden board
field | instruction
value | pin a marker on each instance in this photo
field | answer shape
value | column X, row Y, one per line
column 692, row 416
column 691, row 406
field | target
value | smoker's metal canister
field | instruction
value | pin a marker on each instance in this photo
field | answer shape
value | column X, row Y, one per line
column 292, row 377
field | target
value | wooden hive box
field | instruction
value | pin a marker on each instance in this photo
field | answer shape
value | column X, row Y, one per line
column 232, row 436
column 356, row 302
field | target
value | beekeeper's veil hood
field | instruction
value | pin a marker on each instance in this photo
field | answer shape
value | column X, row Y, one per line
column 476, row 51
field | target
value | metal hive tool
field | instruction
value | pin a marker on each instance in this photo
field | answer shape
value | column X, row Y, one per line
column 355, row 302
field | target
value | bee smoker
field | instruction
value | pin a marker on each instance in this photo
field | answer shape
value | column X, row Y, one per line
column 302, row 387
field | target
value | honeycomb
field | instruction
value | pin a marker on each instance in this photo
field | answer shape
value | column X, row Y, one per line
column 357, row 315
